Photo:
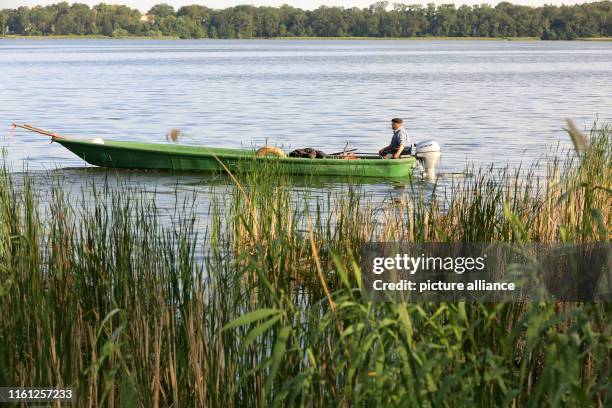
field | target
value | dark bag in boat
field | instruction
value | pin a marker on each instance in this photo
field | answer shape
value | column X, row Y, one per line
column 308, row 153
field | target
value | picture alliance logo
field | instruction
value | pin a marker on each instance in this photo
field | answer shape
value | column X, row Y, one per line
column 412, row 264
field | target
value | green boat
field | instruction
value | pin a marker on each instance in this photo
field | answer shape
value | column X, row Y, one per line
column 138, row 155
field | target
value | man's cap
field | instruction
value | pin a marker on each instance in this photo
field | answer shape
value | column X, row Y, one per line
column 397, row 120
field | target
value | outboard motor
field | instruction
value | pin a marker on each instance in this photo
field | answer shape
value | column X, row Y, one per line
column 428, row 153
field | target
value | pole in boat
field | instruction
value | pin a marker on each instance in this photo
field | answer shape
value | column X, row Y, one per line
column 342, row 152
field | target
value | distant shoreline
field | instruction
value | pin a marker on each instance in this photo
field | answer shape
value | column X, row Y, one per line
column 503, row 22
column 85, row 37
column 431, row 38
column 425, row 38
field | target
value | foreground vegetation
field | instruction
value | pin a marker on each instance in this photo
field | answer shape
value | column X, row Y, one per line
column 379, row 20
column 98, row 293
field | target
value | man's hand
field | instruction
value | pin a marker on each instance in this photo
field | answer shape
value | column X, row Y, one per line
column 399, row 151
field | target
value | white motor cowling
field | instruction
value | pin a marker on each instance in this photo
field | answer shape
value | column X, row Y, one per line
column 428, row 153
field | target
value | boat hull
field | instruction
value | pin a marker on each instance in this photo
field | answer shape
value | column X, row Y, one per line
column 136, row 155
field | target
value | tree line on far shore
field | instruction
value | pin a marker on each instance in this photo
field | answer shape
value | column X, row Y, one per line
column 379, row 20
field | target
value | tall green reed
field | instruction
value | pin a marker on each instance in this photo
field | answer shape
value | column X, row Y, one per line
column 264, row 308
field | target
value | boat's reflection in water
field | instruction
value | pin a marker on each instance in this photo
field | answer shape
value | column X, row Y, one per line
column 170, row 190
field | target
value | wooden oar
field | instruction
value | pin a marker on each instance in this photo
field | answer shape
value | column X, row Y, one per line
column 38, row 130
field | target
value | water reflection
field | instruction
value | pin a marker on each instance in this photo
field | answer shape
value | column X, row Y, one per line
column 168, row 188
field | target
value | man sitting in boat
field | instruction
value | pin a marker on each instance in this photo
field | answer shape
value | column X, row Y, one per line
column 400, row 142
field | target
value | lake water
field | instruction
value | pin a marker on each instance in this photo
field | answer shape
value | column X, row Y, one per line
column 484, row 101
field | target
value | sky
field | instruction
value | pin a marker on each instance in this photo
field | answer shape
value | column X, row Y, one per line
column 144, row 5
